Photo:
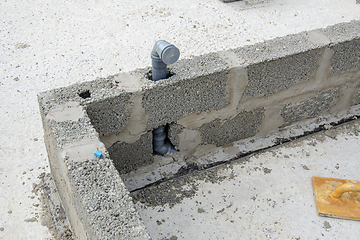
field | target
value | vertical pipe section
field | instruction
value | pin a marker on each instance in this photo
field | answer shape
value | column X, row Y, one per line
column 163, row 53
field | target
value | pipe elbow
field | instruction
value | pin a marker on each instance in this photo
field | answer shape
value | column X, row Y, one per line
column 167, row 52
column 161, row 144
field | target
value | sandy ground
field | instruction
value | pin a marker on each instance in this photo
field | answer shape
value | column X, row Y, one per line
column 49, row 44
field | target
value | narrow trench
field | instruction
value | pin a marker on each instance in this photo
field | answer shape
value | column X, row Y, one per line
column 190, row 168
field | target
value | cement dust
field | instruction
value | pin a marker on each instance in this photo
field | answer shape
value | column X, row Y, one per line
column 58, row 229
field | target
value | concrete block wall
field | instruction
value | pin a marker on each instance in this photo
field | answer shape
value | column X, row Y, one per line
column 95, row 199
column 209, row 102
column 220, row 98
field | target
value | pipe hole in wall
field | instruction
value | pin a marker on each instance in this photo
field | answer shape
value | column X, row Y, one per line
column 169, row 74
column 85, row 94
column 166, row 142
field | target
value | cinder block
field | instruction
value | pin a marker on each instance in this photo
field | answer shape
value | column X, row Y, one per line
column 243, row 125
column 173, row 133
column 107, row 204
column 167, row 104
column 130, row 156
column 92, row 193
column 312, row 107
column 346, row 56
column 271, row 76
column 110, row 115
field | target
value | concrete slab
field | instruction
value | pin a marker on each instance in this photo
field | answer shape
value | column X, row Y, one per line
column 50, row 44
column 267, row 195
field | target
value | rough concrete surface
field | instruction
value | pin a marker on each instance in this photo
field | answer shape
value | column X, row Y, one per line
column 121, row 152
column 267, row 195
column 50, row 44
column 219, row 134
column 309, row 108
column 90, row 205
column 271, row 76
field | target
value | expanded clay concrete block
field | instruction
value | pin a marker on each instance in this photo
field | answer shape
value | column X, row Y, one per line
column 269, row 77
column 93, row 195
column 198, row 84
column 106, row 200
column 110, row 115
column 109, row 107
column 130, row 156
column 243, row 125
column 346, row 56
column 312, row 107
column 341, row 32
column 166, row 104
column 173, row 133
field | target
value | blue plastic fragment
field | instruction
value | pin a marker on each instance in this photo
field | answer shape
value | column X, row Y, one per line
column 98, row 154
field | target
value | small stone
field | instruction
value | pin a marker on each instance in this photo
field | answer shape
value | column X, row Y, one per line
column 330, row 134
column 267, row 170
column 312, row 143
column 201, row 210
column 31, row 220
column 327, row 225
column 305, row 167
column 22, row 45
column 41, row 176
column 220, row 211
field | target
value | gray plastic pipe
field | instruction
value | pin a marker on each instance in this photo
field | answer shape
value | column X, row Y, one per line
column 163, row 53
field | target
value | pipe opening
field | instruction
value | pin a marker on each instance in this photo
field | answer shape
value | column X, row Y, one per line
column 168, row 75
column 85, row 94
